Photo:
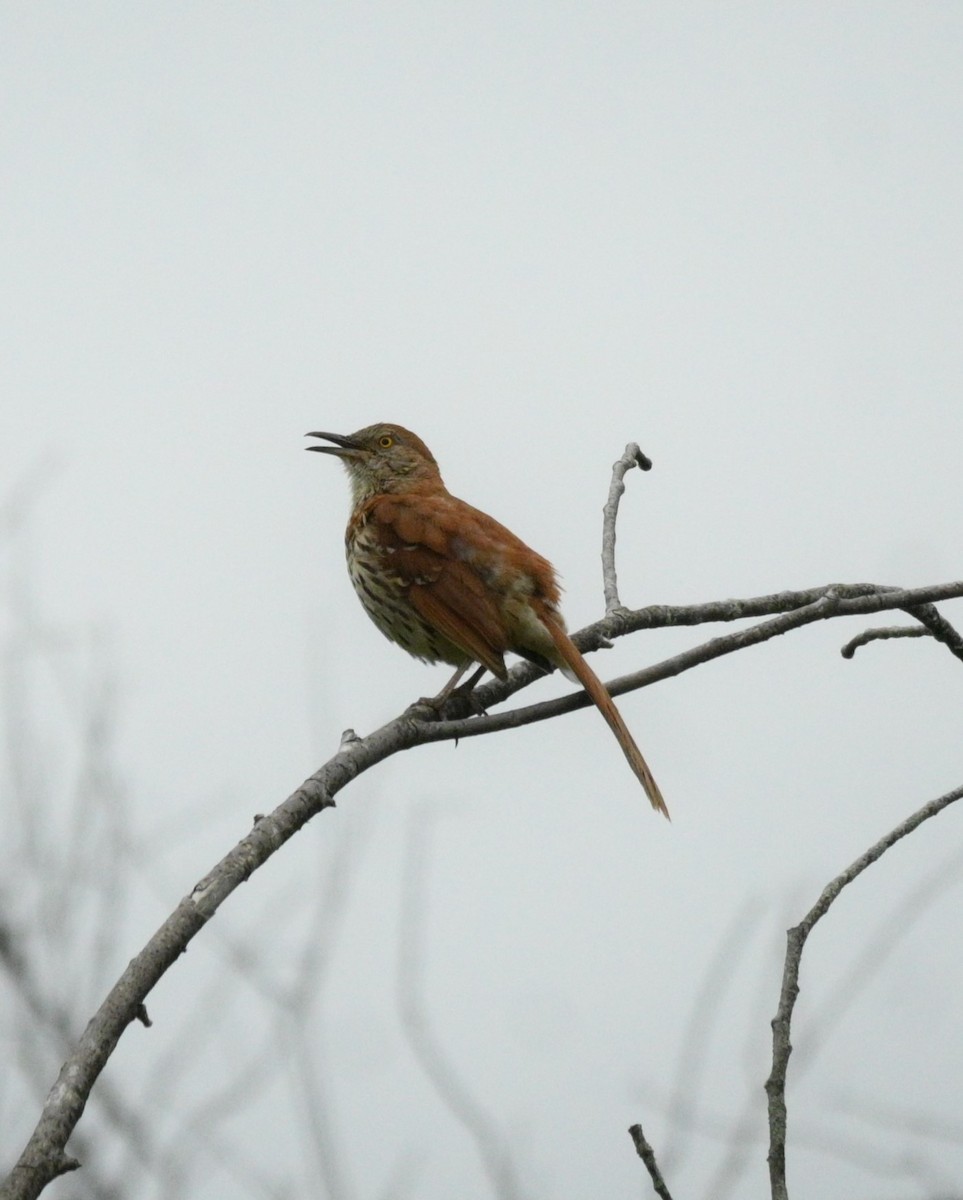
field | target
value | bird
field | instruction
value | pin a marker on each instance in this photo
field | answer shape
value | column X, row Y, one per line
column 447, row 582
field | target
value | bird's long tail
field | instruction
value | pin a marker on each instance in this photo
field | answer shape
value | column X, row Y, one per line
column 600, row 697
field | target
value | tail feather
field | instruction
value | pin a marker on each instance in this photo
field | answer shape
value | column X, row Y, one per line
column 572, row 657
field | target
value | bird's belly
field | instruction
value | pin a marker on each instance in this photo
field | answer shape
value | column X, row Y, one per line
column 387, row 602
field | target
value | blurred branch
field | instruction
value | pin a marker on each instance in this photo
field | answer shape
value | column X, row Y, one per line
column 457, row 1098
column 44, row 1157
column 301, row 1028
column 706, row 1008
column 62, row 893
column 897, row 1119
column 56, row 1024
column 22, row 495
column 796, row 940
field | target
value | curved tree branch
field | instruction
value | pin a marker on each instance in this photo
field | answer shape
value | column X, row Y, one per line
column 883, row 634
column 934, row 625
column 796, row 941
column 45, row 1157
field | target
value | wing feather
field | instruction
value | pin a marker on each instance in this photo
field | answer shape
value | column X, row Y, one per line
column 445, row 589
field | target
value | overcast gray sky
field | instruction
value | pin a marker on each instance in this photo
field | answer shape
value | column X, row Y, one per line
column 531, row 232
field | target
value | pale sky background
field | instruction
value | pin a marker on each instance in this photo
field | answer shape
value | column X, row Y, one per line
column 532, row 232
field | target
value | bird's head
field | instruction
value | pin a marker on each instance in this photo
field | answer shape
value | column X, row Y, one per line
column 381, row 458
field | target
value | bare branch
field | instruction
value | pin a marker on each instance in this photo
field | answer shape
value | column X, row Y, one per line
column 796, row 940
column 633, row 457
column 878, row 598
column 647, row 1154
column 45, row 1154
column 884, row 633
column 934, row 625
column 795, row 609
column 939, row 627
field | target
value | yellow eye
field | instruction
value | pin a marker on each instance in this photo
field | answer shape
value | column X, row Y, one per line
column 386, row 441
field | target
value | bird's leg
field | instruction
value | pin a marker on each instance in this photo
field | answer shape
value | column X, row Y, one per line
column 454, row 690
column 461, row 700
column 452, row 684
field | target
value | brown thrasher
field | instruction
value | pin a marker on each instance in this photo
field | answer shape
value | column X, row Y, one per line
column 448, row 583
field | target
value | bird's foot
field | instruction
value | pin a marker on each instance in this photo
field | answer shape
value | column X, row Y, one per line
column 453, row 702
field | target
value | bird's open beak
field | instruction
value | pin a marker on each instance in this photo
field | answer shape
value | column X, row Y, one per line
column 344, row 447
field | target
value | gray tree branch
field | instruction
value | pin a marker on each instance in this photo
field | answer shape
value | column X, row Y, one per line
column 45, row 1157
column 632, row 457
column 647, row 1154
column 796, row 941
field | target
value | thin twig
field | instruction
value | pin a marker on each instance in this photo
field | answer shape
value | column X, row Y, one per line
column 633, row 457
column 875, row 949
column 647, row 1154
column 934, row 624
column 881, row 635
column 796, row 940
